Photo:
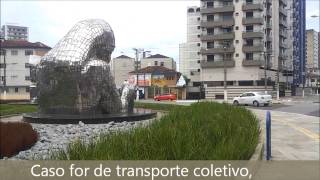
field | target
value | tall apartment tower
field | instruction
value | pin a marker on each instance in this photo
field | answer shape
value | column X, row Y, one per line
column 13, row 32
column 312, row 51
column 244, row 42
column 189, row 52
column 299, row 39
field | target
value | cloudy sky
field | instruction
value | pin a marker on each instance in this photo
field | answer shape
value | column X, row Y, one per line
column 158, row 26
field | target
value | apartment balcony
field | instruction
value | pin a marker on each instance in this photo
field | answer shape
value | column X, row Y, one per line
column 220, row 23
column 283, row 34
column 219, row 50
column 217, row 36
column 269, row 25
column 282, row 56
column 283, row 22
column 254, row 48
column 247, row 62
column 219, row 9
column 282, row 44
column 269, row 38
column 246, row 35
column 283, row 11
column 217, row 64
column 251, row 7
column 252, row 20
column 269, row 13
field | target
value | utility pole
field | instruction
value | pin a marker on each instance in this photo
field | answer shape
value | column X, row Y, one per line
column 225, row 91
column 136, row 68
column 265, row 72
column 278, row 79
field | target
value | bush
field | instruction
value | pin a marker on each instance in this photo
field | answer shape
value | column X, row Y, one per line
column 202, row 131
column 15, row 137
column 8, row 109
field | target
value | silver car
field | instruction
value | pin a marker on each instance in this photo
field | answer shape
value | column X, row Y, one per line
column 253, row 98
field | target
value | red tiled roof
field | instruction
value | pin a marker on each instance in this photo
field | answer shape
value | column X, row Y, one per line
column 22, row 44
column 154, row 69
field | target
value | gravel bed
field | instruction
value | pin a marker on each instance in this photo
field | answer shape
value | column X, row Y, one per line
column 53, row 137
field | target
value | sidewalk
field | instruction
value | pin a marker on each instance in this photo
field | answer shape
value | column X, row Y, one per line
column 293, row 136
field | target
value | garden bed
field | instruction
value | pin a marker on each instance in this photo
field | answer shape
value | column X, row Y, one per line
column 202, row 131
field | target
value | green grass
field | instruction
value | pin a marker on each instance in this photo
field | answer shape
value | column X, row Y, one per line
column 202, row 131
column 9, row 109
column 156, row 106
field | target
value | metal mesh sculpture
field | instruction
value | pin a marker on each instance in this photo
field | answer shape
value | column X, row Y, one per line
column 75, row 78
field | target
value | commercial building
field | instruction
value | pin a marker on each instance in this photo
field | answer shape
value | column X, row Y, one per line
column 120, row 67
column 158, row 60
column 15, row 62
column 243, row 43
column 153, row 80
column 312, row 59
column 13, row 32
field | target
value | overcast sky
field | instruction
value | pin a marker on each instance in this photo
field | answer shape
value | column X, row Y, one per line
column 158, row 26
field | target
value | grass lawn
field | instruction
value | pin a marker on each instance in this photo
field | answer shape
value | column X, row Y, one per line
column 202, row 131
column 8, row 109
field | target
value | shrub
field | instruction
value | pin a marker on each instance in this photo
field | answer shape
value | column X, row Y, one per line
column 15, row 137
column 202, row 131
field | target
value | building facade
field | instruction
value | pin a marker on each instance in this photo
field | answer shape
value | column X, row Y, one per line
column 244, row 43
column 154, row 80
column 15, row 63
column 12, row 32
column 299, row 43
column 312, row 59
column 120, row 67
column 158, row 60
column 189, row 52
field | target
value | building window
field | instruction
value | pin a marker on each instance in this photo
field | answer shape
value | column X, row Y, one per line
column 237, row 55
column 237, row 41
column 249, row 14
column 161, row 63
column 198, row 19
column 199, row 70
column 27, row 78
column 198, row 35
column 210, row 17
column 191, row 10
column 237, row 14
column 198, row 44
column 27, row 89
column 245, row 83
column 16, row 90
column 249, row 42
column 249, row 28
column 156, row 63
column 210, row 57
column 2, row 65
column 3, row 52
column 198, row 27
column 14, row 52
column 249, row 56
column 210, row 31
column 28, row 52
column 210, row 4
column 237, row 27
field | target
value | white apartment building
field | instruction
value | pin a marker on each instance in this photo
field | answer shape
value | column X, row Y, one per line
column 13, row 32
column 247, row 37
column 158, row 60
column 120, row 67
column 15, row 60
column 189, row 52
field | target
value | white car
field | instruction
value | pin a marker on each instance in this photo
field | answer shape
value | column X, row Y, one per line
column 253, row 98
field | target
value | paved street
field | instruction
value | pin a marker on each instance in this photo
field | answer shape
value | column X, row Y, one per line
column 293, row 136
column 295, row 127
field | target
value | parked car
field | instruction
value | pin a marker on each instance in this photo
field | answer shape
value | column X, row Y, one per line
column 34, row 100
column 253, row 98
column 165, row 97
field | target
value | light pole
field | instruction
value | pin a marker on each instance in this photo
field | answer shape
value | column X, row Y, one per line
column 225, row 91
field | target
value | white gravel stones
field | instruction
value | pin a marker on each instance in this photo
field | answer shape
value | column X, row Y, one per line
column 57, row 136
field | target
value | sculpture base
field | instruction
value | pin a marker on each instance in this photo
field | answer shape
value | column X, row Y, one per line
column 136, row 115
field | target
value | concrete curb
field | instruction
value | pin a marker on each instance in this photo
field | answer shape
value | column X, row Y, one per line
column 258, row 153
column 11, row 115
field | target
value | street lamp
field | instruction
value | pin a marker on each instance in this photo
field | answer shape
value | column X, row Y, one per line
column 225, row 91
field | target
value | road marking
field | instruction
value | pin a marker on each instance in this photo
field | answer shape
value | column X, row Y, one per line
column 305, row 131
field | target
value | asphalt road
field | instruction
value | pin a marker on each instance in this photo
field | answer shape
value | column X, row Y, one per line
column 309, row 108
